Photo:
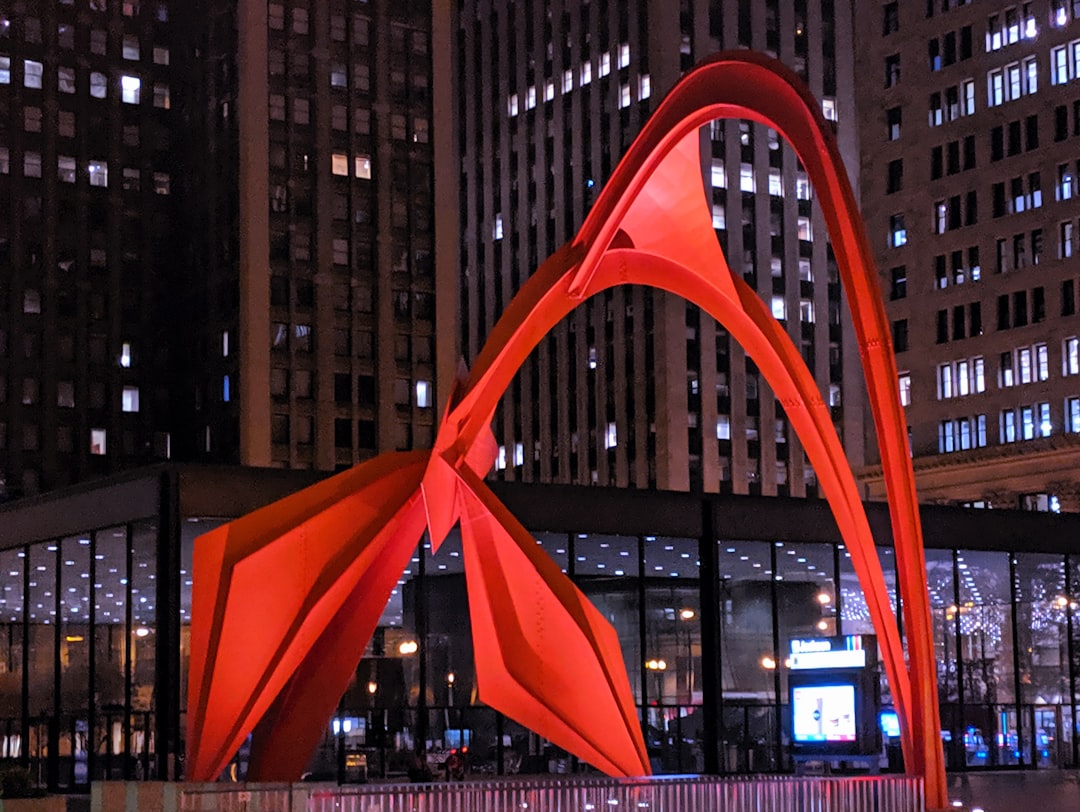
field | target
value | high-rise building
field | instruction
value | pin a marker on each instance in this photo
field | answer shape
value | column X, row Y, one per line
column 216, row 240
column 969, row 119
column 637, row 388
column 315, row 300
column 91, row 97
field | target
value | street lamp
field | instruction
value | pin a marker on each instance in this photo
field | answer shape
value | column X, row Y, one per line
column 408, row 647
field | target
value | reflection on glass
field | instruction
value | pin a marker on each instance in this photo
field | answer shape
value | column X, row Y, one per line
column 110, row 650
column 41, row 601
column 11, row 653
column 143, row 637
column 673, row 654
column 74, row 620
column 606, row 570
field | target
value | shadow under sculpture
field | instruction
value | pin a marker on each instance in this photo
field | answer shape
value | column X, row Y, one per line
column 286, row 598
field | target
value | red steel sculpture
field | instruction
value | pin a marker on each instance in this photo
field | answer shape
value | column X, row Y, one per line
column 286, row 598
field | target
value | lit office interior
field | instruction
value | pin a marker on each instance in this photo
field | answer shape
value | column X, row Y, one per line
column 93, row 642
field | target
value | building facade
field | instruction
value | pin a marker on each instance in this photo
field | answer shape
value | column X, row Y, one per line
column 314, row 317
column 93, row 105
column 216, row 235
column 636, row 388
column 705, row 593
column 969, row 115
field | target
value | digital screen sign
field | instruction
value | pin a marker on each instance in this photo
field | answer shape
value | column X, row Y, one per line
column 890, row 724
column 823, row 713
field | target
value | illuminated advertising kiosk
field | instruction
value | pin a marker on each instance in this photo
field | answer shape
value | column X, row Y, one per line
column 835, row 698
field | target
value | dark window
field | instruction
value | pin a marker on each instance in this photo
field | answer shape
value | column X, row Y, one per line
column 895, row 180
column 342, row 432
column 997, row 143
column 975, row 318
column 900, row 335
column 969, row 152
column 971, row 209
column 958, row 323
column 942, row 326
column 342, row 387
column 365, row 390
column 998, row 197
column 1003, row 312
column 965, row 42
column 1014, row 138
column 954, row 212
column 1031, row 126
column 950, row 48
column 1068, row 298
column 892, row 119
column 892, row 70
column 891, row 21
column 1038, row 305
column 1020, row 311
column 1061, row 122
column 952, row 152
column 898, row 290
column 933, row 48
column 939, row 271
column 1036, row 246
column 935, row 163
column 365, row 433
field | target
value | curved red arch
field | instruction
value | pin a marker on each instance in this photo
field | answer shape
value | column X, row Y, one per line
column 649, row 226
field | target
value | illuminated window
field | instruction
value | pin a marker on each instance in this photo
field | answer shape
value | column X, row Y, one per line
column 129, row 89
column 32, row 74
column 65, row 80
column 65, row 168
column 99, row 173
column 779, row 307
column 161, row 96
column 644, row 86
column 1070, row 356
column 339, row 163
column 129, row 399
column 604, row 67
column 161, row 55
column 746, row 178
column 567, row 81
column 362, row 167
column 423, row 394
column 905, row 388
column 611, row 436
column 97, row 441
column 131, row 48
column 125, row 355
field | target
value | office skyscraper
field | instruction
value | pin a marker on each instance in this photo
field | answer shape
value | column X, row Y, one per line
column 216, row 241
column 636, row 388
column 91, row 100
column 970, row 114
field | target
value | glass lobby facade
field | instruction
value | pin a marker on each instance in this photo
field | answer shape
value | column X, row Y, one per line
column 704, row 592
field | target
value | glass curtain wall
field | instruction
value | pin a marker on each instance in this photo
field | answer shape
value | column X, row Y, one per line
column 76, row 674
column 1005, row 629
